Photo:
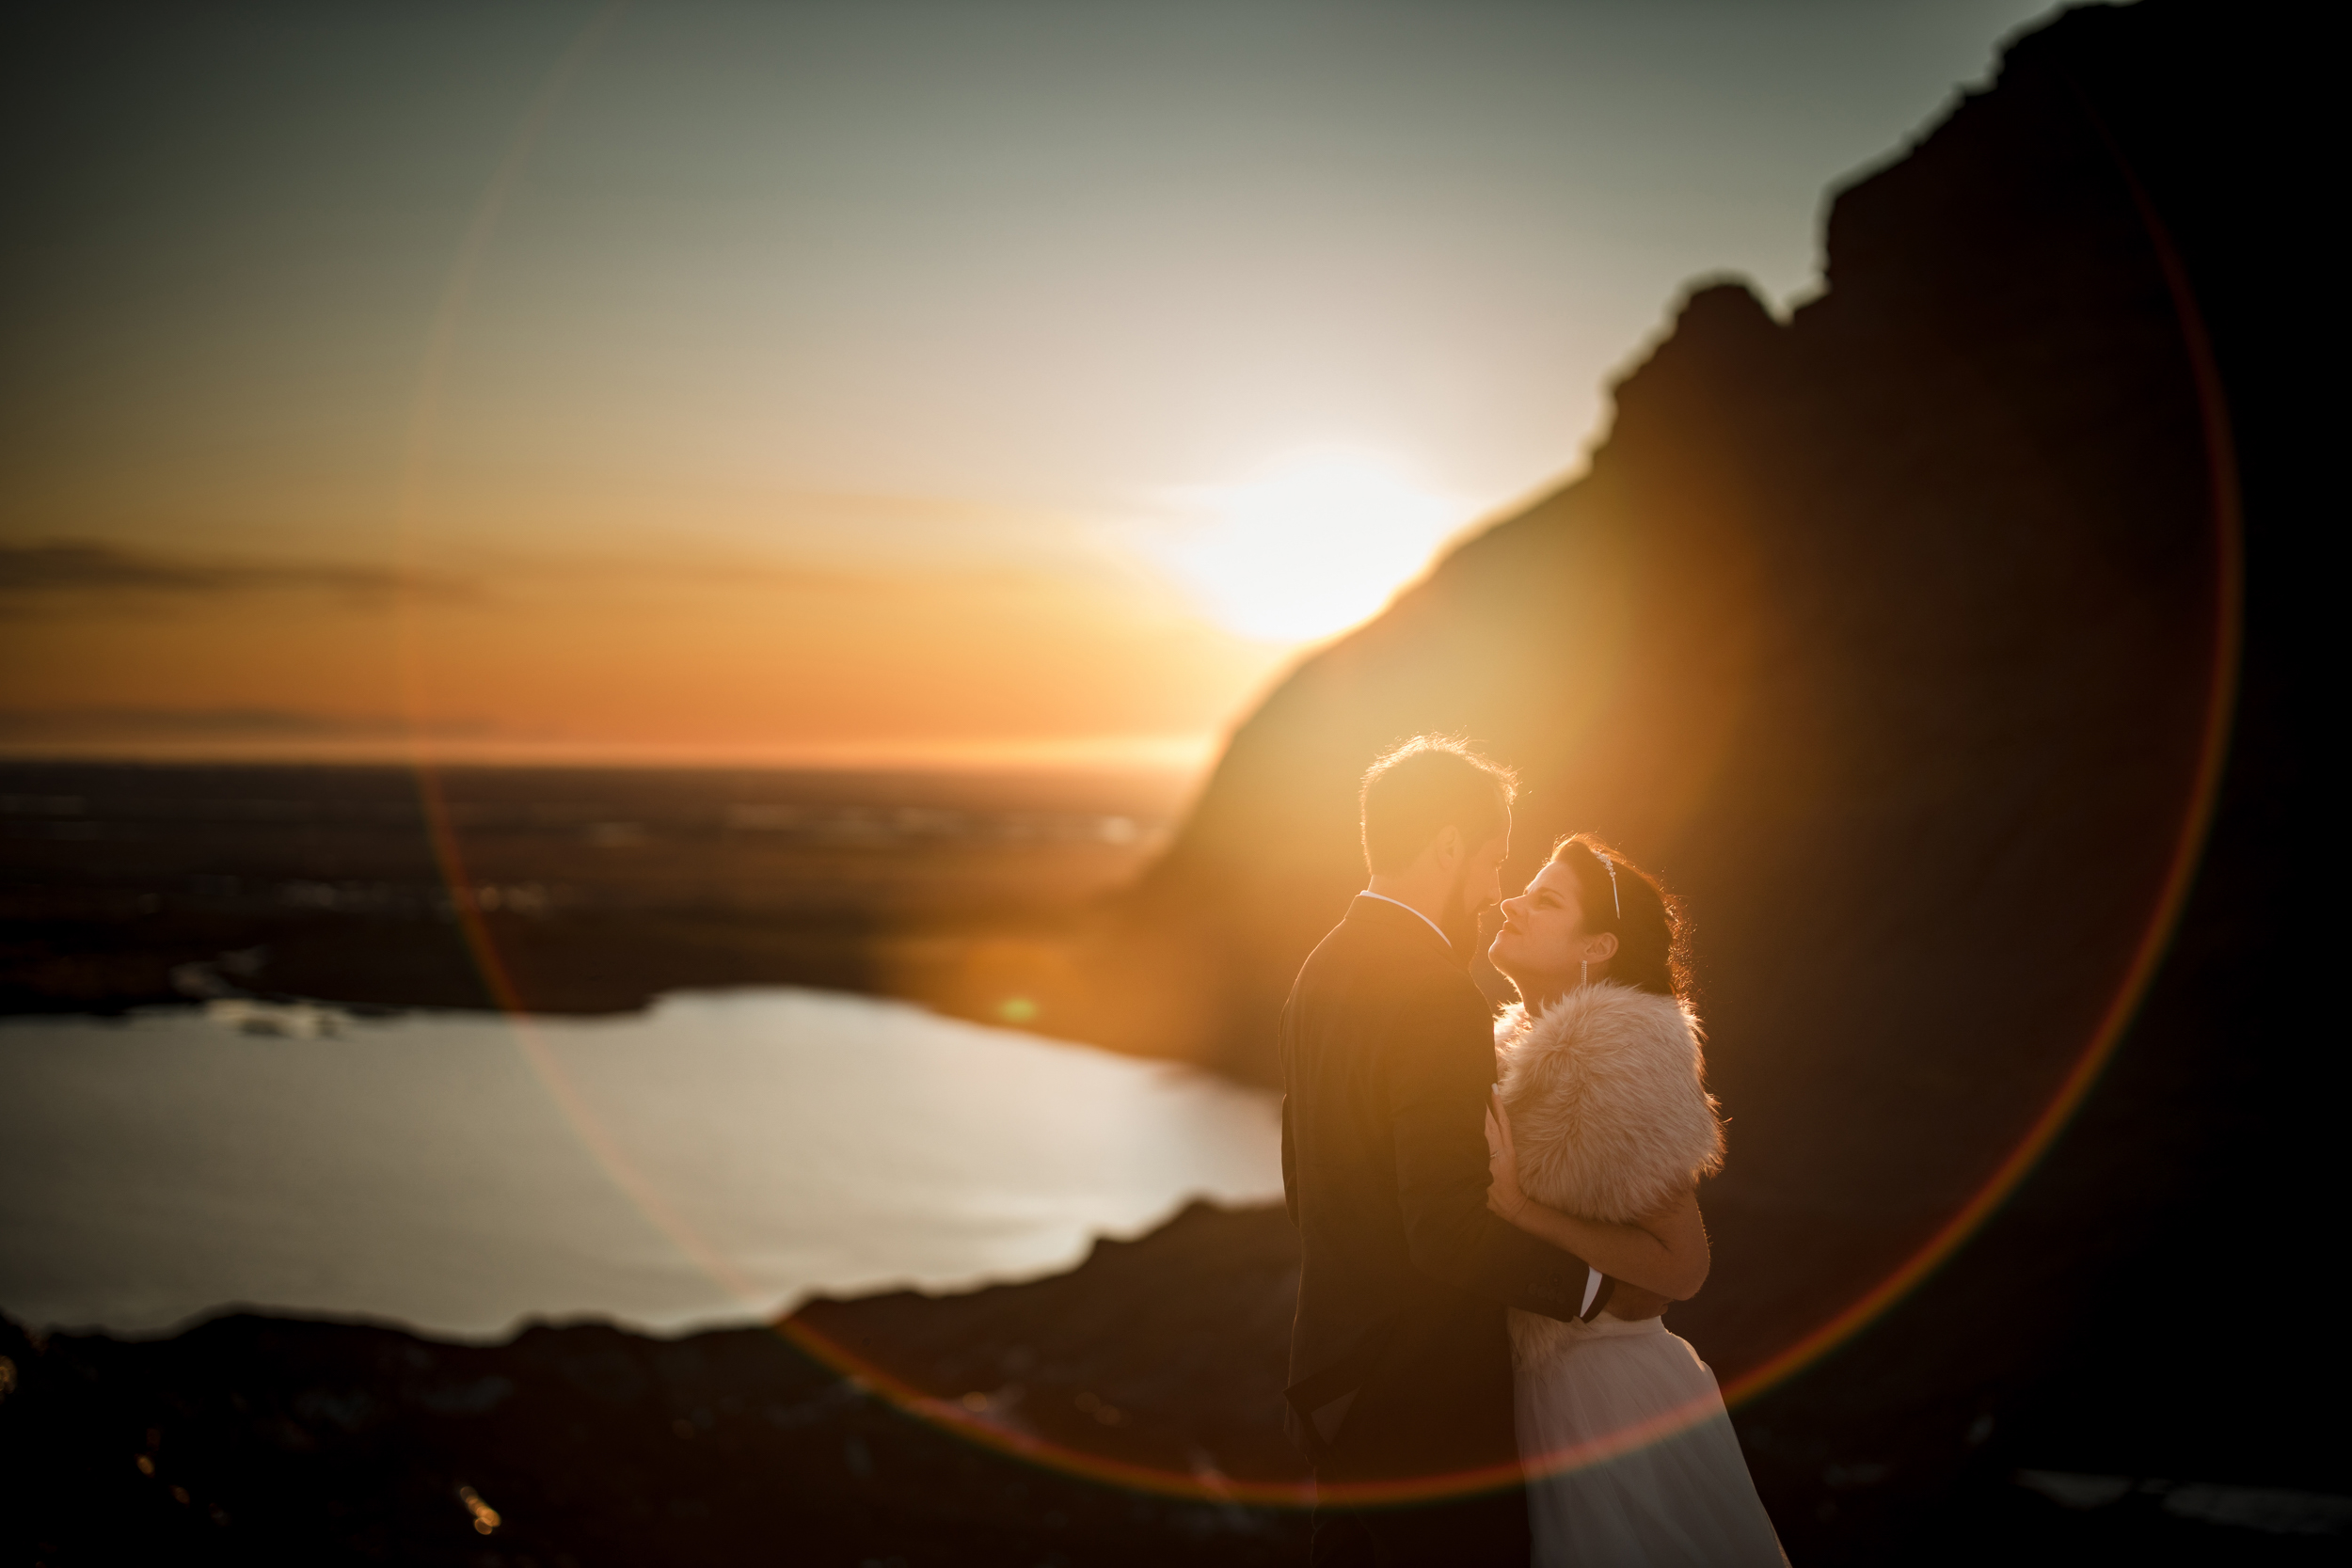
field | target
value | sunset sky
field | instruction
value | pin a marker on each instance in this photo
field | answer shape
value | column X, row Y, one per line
column 928, row 383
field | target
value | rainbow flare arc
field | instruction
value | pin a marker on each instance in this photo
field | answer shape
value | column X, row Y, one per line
column 1001, row 1435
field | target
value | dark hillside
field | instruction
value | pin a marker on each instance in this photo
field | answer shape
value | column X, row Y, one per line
column 1893, row 636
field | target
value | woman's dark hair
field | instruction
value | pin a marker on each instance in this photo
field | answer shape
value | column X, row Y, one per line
column 1653, row 951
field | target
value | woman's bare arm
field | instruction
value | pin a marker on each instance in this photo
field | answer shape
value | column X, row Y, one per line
column 1664, row 1252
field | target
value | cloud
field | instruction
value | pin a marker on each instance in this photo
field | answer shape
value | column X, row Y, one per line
column 58, row 568
column 70, row 571
column 207, row 723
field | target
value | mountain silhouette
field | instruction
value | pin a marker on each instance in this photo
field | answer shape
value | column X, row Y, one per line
column 1951, row 646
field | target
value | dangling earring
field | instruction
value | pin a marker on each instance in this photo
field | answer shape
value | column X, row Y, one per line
column 1588, row 973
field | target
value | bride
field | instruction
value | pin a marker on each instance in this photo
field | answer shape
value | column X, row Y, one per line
column 1603, row 1128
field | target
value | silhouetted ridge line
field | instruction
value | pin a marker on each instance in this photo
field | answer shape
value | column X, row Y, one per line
column 1895, row 637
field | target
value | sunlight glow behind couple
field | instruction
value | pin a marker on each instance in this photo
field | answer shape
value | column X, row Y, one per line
column 1308, row 547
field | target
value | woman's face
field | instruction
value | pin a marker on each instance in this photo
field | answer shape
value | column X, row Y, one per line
column 1542, row 945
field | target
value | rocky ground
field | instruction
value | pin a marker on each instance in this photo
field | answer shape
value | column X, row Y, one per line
column 264, row 1440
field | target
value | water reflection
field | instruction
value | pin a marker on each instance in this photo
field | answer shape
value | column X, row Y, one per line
column 418, row 1168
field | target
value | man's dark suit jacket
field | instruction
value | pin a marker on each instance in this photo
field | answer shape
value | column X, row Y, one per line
column 1400, row 1354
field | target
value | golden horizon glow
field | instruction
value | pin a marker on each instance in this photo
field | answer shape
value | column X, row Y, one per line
column 722, row 661
column 1182, row 754
column 718, row 382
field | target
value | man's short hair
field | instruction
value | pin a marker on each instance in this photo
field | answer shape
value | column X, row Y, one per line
column 1429, row 783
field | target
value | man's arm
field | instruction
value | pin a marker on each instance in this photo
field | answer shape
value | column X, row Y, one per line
column 1441, row 1066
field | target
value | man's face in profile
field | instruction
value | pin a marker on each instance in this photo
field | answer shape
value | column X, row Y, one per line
column 1477, row 884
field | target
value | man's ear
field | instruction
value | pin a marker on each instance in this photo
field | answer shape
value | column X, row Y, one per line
column 1446, row 847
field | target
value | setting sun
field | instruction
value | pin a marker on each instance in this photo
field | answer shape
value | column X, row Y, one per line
column 1309, row 546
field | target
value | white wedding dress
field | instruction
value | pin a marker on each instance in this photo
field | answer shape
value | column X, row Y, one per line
column 1630, row 1458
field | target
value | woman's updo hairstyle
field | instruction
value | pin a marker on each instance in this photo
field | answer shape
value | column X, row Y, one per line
column 1652, row 951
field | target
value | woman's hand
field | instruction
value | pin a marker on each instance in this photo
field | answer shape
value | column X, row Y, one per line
column 1503, row 1195
column 1664, row 1254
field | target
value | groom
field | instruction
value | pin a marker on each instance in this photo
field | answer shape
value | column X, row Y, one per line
column 1400, row 1360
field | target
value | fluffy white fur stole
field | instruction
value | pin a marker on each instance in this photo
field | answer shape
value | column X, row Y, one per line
column 1607, row 1090
column 1610, row 1115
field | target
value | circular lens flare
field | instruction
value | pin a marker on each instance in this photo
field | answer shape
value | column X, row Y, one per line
column 1305, row 550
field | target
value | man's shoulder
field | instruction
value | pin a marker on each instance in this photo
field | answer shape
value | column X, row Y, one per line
column 1375, row 958
column 1357, row 942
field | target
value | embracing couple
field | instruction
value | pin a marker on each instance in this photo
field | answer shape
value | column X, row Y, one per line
column 1496, row 1213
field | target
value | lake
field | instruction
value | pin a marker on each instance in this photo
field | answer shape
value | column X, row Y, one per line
column 714, row 1159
